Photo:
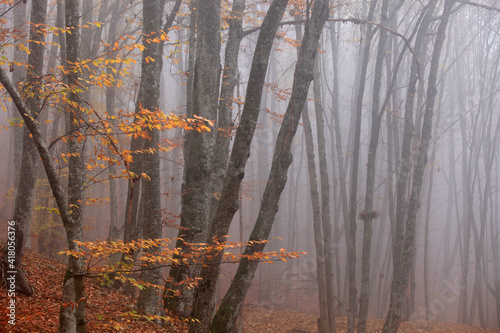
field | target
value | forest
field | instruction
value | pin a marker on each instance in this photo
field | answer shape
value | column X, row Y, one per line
column 212, row 165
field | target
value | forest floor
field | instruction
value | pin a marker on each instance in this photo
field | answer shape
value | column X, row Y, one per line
column 109, row 311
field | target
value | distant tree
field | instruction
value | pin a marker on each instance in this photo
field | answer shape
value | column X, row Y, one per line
column 405, row 252
column 226, row 315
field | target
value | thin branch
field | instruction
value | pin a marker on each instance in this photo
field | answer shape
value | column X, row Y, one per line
column 345, row 20
column 12, row 7
column 480, row 5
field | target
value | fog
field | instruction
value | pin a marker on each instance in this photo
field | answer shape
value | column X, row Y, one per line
column 414, row 84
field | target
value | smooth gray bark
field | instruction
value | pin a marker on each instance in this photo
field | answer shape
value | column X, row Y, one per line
column 353, row 191
column 73, row 317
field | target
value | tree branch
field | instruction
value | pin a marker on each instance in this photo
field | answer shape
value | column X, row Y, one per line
column 50, row 169
column 480, row 5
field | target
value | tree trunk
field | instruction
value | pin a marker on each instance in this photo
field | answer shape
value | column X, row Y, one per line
column 26, row 188
column 73, row 317
column 325, row 200
column 17, row 76
column 369, row 214
column 225, row 317
column 149, row 297
column 402, row 267
column 228, row 202
column 324, row 320
column 199, row 151
column 353, row 194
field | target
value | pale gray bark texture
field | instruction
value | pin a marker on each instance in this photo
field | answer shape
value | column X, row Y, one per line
column 325, row 200
column 353, row 191
column 324, row 320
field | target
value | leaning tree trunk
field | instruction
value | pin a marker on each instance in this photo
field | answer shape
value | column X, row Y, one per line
column 228, row 202
column 26, row 188
column 50, row 170
column 225, row 317
column 402, row 268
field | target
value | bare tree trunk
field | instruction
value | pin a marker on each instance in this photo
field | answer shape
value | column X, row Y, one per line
column 226, row 315
column 114, row 231
column 228, row 202
column 353, row 192
column 325, row 200
column 369, row 214
column 73, row 318
column 324, row 320
column 402, row 267
column 18, row 75
column 149, row 297
column 26, row 188
column 199, row 149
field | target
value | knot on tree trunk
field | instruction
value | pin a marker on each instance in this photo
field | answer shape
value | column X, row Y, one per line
column 368, row 216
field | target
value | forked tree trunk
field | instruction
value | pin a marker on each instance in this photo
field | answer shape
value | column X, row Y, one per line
column 402, row 267
column 228, row 202
column 225, row 317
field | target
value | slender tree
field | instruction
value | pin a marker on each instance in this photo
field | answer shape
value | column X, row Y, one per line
column 403, row 266
column 23, row 206
column 225, row 318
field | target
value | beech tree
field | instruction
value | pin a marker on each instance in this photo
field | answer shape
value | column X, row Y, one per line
column 26, row 188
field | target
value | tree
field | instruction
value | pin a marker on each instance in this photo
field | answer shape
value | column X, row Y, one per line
column 228, row 202
column 225, row 317
column 26, row 188
column 406, row 251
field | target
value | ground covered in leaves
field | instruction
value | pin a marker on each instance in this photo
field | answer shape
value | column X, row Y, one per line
column 108, row 311
column 279, row 321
